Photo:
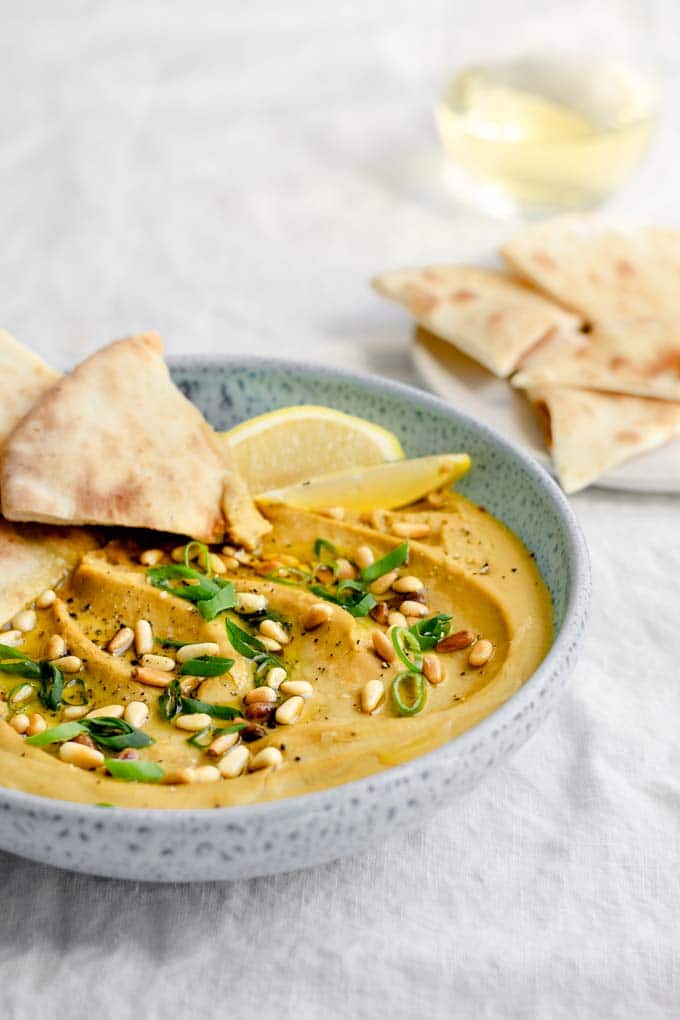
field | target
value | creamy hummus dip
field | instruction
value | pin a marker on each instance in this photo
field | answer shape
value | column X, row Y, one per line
column 346, row 644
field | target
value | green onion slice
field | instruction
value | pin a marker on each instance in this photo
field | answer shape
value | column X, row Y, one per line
column 170, row 701
column 57, row 735
column 51, row 686
column 358, row 602
column 193, row 705
column 134, row 771
column 202, row 739
column 394, row 558
column 202, row 551
column 211, row 595
column 206, row 665
column 115, row 734
column 418, row 696
column 404, row 641
column 168, row 642
column 430, row 632
column 291, row 576
column 75, row 691
column 323, row 545
column 24, row 667
column 22, row 694
column 242, row 642
column 7, row 652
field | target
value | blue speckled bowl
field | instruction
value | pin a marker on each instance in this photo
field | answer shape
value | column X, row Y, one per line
column 283, row 835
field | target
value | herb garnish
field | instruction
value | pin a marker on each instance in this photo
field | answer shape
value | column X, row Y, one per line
column 134, row 771
column 252, row 648
column 211, row 596
column 394, row 558
column 45, row 678
column 404, row 641
column 431, row 631
column 419, row 692
column 113, row 734
column 206, row 665
column 350, row 595
column 172, row 702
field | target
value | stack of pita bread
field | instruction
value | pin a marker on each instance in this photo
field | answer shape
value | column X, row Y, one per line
column 585, row 320
column 114, row 443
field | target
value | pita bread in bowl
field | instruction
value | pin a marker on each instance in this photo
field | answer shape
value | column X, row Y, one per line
column 486, row 313
column 589, row 432
column 116, row 443
column 602, row 272
column 24, row 377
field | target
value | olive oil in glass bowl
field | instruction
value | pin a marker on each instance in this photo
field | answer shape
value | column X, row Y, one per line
column 547, row 133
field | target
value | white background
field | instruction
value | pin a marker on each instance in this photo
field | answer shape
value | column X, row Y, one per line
column 231, row 174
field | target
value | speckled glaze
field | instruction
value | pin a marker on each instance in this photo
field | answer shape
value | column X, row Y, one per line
column 240, row 842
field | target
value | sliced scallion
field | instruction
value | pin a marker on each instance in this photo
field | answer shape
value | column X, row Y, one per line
column 202, row 551
column 403, row 639
column 206, row 665
column 418, row 695
column 56, row 735
column 393, row 559
column 134, row 771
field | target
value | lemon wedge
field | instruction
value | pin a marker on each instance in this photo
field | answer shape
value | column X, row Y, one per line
column 294, row 443
column 387, row 486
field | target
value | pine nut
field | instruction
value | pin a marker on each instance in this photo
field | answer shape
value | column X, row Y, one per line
column 272, row 629
column 23, row 694
column 234, row 762
column 201, row 774
column 193, row 722
column 372, row 694
column 385, row 582
column 363, row 557
column 297, row 688
column 143, row 637
column 56, row 647
column 432, row 668
column 177, row 554
column 336, row 513
column 270, row 644
column 71, row 712
column 150, row 677
column 410, row 608
column 436, row 497
column 230, row 562
column 121, row 641
column 222, row 744
column 317, row 615
column 81, row 755
column 259, row 695
column 382, row 646
column 243, row 557
column 108, row 711
column 137, row 714
column 162, row 662
column 216, row 564
column 46, row 600
column 68, row 663
column 396, row 619
column 481, row 653
column 275, row 677
column 250, row 602
column 410, row 529
column 454, row 642
column 20, row 722
column 290, row 711
column 345, row 570
column 150, row 557
column 12, row 638
column 378, row 520
column 268, row 757
column 25, row 620
column 36, row 724
column 408, row 585
column 195, row 651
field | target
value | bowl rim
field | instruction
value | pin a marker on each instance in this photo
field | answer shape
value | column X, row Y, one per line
column 575, row 618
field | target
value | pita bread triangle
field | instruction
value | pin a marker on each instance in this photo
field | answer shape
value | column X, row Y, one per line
column 32, row 557
column 604, row 273
column 486, row 313
column 116, row 443
column 636, row 356
column 588, row 433
column 24, row 377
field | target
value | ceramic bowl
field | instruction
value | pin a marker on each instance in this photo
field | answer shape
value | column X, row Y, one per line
column 239, row 842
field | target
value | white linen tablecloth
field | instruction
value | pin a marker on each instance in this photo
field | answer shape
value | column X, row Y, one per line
column 231, row 174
